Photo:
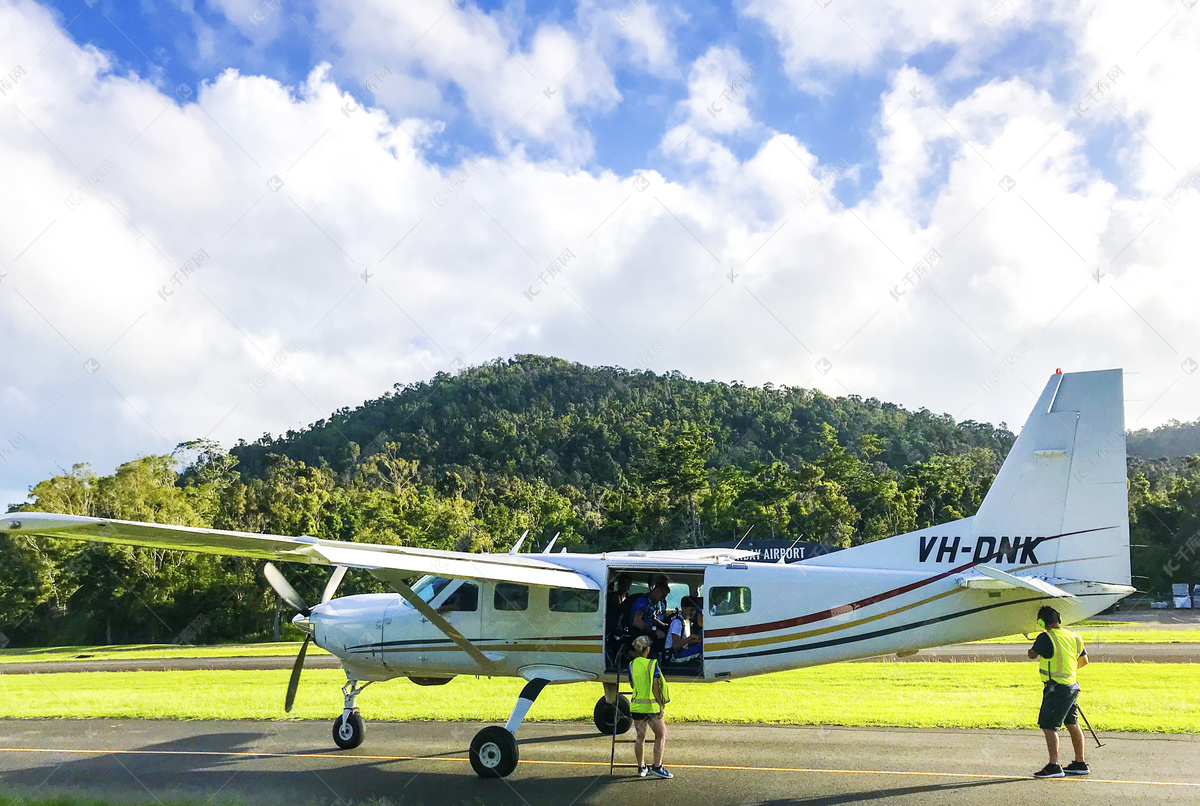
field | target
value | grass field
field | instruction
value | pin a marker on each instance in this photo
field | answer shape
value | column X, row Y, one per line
column 142, row 651
column 1115, row 636
column 1116, row 632
column 1129, row 697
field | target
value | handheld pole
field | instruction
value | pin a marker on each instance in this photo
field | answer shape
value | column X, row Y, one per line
column 1089, row 726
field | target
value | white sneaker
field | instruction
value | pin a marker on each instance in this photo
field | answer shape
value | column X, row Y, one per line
column 642, row 772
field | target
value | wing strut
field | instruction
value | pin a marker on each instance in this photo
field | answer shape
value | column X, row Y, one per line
column 439, row 621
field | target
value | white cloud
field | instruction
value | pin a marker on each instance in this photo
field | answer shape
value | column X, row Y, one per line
column 820, row 38
column 371, row 265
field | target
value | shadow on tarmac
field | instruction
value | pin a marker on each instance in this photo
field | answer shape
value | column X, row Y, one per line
column 298, row 779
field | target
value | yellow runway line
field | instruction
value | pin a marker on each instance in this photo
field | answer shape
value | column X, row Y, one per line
column 551, row 762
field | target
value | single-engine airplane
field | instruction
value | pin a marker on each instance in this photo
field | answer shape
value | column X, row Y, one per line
column 1053, row 526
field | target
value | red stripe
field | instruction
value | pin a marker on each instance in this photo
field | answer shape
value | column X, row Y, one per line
column 861, row 603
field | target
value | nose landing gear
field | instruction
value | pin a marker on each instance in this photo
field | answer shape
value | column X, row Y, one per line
column 349, row 728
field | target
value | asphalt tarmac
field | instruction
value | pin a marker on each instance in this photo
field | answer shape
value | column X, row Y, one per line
column 295, row 763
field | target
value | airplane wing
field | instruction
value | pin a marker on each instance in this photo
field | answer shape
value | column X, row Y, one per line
column 394, row 561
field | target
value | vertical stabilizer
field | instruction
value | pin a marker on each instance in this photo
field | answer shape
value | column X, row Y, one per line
column 1065, row 476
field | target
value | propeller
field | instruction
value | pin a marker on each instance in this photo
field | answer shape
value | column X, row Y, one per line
column 284, row 588
column 288, row 594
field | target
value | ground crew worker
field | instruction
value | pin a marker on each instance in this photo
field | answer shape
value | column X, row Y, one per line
column 1060, row 653
column 647, row 707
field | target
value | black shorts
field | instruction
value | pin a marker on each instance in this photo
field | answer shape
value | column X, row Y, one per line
column 637, row 717
column 1058, row 706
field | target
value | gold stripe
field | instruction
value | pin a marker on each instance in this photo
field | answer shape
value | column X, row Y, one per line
column 776, row 639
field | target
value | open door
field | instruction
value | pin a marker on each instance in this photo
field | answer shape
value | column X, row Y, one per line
column 684, row 586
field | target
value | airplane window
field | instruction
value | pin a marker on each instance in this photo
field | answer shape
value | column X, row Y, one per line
column 464, row 599
column 429, row 586
column 511, row 597
column 728, row 601
column 570, row 600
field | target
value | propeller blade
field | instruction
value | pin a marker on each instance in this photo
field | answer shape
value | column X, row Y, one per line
column 294, row 682
column 332, row 585
column 284, row 588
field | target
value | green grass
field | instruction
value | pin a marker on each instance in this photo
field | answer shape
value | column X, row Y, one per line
column 1113, row 632
column 1156, row 697
column 1115, row 636
column 143, row 651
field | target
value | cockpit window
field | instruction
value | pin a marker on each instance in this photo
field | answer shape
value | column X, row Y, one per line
column 464, row 599
column 429, row 586
column 728, row 601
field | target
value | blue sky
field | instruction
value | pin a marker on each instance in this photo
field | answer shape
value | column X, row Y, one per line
column 950, row 262
column 183, row 44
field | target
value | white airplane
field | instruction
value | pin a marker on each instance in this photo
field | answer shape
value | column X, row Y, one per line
column 1054, row 526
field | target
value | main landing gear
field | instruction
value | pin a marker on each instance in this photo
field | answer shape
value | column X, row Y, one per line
column 349, row 728
column 604, row 712
column 494, row 752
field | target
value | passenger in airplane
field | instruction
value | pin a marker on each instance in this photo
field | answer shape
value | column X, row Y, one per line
column 616, row 619
column 682, row 644
column 647, row 613
column 698, row 600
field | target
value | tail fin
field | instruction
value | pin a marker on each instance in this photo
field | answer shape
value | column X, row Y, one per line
column 1065, row 476
column 1057, row 508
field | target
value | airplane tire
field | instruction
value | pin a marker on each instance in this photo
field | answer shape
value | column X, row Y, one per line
column 349, row 735
column 494, row 752
column 602, row 715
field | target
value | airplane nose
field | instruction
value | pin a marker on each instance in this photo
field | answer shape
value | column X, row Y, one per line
column 303, row 622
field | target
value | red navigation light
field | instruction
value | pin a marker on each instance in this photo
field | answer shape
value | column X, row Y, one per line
column 1058, row 371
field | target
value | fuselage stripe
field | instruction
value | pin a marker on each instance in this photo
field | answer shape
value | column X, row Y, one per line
column 861, row 603
column 849, row 639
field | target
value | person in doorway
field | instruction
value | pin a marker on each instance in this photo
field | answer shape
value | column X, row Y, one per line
column 648, row 707
column 616, row 619
column 682, row 643
column 647, row 611
column 1060, row 654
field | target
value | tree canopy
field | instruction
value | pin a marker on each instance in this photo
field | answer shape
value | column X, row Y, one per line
column 605, row 457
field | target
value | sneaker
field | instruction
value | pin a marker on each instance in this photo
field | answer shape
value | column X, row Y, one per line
column 642, row 771
column 1077, row 768
column 660, row 772
column 1050, row 771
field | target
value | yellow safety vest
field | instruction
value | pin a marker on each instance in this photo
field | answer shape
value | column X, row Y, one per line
column 641, row 677
column 1061, row 668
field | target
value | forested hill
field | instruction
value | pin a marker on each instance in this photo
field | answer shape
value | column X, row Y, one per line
column 1170, row 441
column 608, row 458
column 545, row 418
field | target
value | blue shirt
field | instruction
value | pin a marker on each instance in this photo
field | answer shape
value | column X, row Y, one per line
column 643, row 603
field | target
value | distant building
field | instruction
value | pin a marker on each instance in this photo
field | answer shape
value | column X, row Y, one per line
column 769, row 551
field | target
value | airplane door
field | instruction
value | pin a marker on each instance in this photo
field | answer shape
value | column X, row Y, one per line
column 729, row 603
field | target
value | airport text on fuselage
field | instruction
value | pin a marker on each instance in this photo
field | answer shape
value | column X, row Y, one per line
column 986, row 548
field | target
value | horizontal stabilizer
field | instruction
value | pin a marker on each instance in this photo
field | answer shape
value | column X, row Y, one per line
column 1029, row 583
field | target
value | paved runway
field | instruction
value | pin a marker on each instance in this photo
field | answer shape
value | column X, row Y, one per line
column 295, row 763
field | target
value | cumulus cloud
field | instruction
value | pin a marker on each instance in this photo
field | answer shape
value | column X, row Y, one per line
column 255, row 255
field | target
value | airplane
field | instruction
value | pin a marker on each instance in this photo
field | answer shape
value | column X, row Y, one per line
column 1053, row 527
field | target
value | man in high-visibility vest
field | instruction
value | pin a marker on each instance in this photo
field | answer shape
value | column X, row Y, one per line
column 647, row 706
column 1060, row 654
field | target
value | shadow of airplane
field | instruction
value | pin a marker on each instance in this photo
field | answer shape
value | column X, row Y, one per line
column 207, row 767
